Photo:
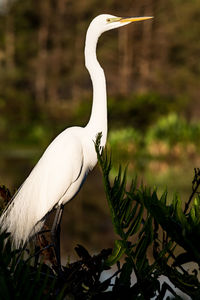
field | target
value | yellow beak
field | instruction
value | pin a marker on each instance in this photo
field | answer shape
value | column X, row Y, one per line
column 134, row 19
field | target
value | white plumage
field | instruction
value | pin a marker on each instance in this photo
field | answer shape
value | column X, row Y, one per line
column 60, row 172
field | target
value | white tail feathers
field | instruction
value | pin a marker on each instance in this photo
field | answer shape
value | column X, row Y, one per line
column 20, row 223
column 21, row 219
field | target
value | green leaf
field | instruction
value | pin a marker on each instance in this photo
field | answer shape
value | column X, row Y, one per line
column 119, row 249
column 163, row 198
column 125, row 275
column 136, row 223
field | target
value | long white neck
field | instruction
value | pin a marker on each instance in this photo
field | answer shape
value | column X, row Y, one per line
column 98, row 118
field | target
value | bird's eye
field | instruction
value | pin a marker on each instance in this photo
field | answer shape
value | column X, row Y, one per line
column 115, row 19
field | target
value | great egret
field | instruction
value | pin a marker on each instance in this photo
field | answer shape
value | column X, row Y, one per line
column 62, row 169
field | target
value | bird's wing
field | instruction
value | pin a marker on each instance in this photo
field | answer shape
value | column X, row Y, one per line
column 57, row 171
column 59, row 167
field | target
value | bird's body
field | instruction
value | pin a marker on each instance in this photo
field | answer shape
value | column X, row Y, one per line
column 56, row 179
column 60, row 172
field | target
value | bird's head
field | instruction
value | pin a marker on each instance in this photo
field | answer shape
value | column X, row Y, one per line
column 107, row 22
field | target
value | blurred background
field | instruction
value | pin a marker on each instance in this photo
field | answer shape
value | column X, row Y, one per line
column 153, row 76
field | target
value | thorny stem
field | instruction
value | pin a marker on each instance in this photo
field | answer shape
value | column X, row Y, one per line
column 196, row 181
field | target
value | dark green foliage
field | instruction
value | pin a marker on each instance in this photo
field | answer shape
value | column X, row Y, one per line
column 143, row 110
column 19, row 279
column 26, row 278
column 24, row 274
column 82, row 278
column 148, row 224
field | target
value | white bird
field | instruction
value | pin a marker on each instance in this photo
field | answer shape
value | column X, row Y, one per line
column 62, row 169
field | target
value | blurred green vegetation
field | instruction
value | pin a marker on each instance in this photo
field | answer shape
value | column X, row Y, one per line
column 174, row 130
column 163, row 155
column 170, row 136
column 152, row 68
column 37, row 128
